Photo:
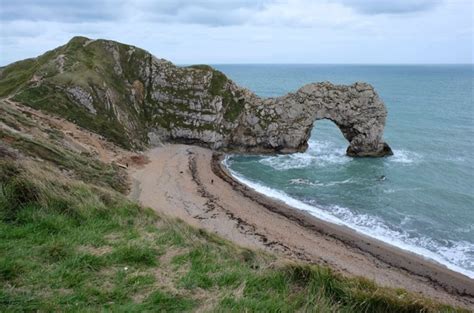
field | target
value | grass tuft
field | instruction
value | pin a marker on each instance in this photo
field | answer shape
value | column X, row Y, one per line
column 135, row 254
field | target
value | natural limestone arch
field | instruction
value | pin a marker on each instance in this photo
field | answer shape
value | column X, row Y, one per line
column 285, row 123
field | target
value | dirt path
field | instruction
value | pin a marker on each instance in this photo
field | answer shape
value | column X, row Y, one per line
column 179, row 181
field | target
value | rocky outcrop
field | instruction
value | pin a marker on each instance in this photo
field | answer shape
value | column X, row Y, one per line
column 135, row 99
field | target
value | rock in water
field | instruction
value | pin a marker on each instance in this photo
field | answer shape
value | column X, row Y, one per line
column 137, row 100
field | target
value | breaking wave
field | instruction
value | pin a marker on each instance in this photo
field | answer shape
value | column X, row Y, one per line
column 404, row 156
column 320, row 153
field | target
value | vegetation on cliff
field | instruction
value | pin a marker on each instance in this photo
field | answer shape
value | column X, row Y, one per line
column 40, row 138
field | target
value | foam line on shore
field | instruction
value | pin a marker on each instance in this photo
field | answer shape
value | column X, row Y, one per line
column 321, row 214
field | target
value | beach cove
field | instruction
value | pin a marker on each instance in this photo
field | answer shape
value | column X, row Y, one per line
column 190, row 183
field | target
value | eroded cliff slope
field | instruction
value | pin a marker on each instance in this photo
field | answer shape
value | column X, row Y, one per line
column 135, row 100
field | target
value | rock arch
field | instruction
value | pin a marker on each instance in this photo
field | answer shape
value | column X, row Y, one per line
column 284, row 124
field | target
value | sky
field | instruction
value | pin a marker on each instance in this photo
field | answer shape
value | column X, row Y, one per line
column 249, row 31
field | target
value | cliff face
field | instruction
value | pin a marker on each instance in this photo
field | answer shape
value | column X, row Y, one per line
column 135, row 100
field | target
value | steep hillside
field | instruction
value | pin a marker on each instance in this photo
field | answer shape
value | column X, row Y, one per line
column 137, row 100
column 85, row 82
column 28, row 133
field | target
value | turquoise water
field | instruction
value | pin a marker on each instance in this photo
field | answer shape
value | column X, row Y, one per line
column 425, row 204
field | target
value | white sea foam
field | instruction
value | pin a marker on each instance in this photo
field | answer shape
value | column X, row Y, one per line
column 301, row 181
column 286, row 162
column 341, row 182
column 405, row 156
column 326, row 152
column 455, row 255
column 320, row 153
column 457, row 159
column 394, row 190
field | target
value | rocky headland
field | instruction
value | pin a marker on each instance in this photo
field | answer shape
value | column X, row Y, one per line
column 137, row 100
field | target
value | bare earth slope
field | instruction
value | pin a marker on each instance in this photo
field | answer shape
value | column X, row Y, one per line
column 179, row 181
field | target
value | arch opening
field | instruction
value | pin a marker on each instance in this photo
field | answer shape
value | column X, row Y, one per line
column 326, row 132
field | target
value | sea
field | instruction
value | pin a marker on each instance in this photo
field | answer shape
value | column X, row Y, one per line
column 421, row 199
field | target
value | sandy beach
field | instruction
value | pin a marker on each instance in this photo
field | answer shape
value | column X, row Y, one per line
column 190, row 183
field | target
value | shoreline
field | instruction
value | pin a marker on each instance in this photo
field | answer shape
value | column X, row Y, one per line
column 322, row 215
column 191, row 183
column 450, row 280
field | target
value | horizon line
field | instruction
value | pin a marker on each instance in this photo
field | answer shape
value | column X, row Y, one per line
column 296, row 63
column 306, row 63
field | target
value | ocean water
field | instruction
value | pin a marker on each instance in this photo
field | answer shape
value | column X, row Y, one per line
column 425, row 204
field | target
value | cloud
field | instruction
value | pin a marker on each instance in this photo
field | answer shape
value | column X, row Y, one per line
column 72, row 11
column 201, row 12
column 247, row 31
column 305, row 13
column 391, row 6
column 205, row 12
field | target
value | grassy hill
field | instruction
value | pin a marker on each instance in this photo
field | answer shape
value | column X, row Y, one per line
column 119, row 91
column 71, row 82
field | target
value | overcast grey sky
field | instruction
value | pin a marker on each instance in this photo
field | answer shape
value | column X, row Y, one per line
column 249, row 31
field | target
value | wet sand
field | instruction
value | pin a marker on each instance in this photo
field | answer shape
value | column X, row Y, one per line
column 190, row 183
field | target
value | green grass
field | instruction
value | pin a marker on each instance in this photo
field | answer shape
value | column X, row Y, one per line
column 219, row 87
column 15, row 75
column 69, row 246
column 18, row 74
